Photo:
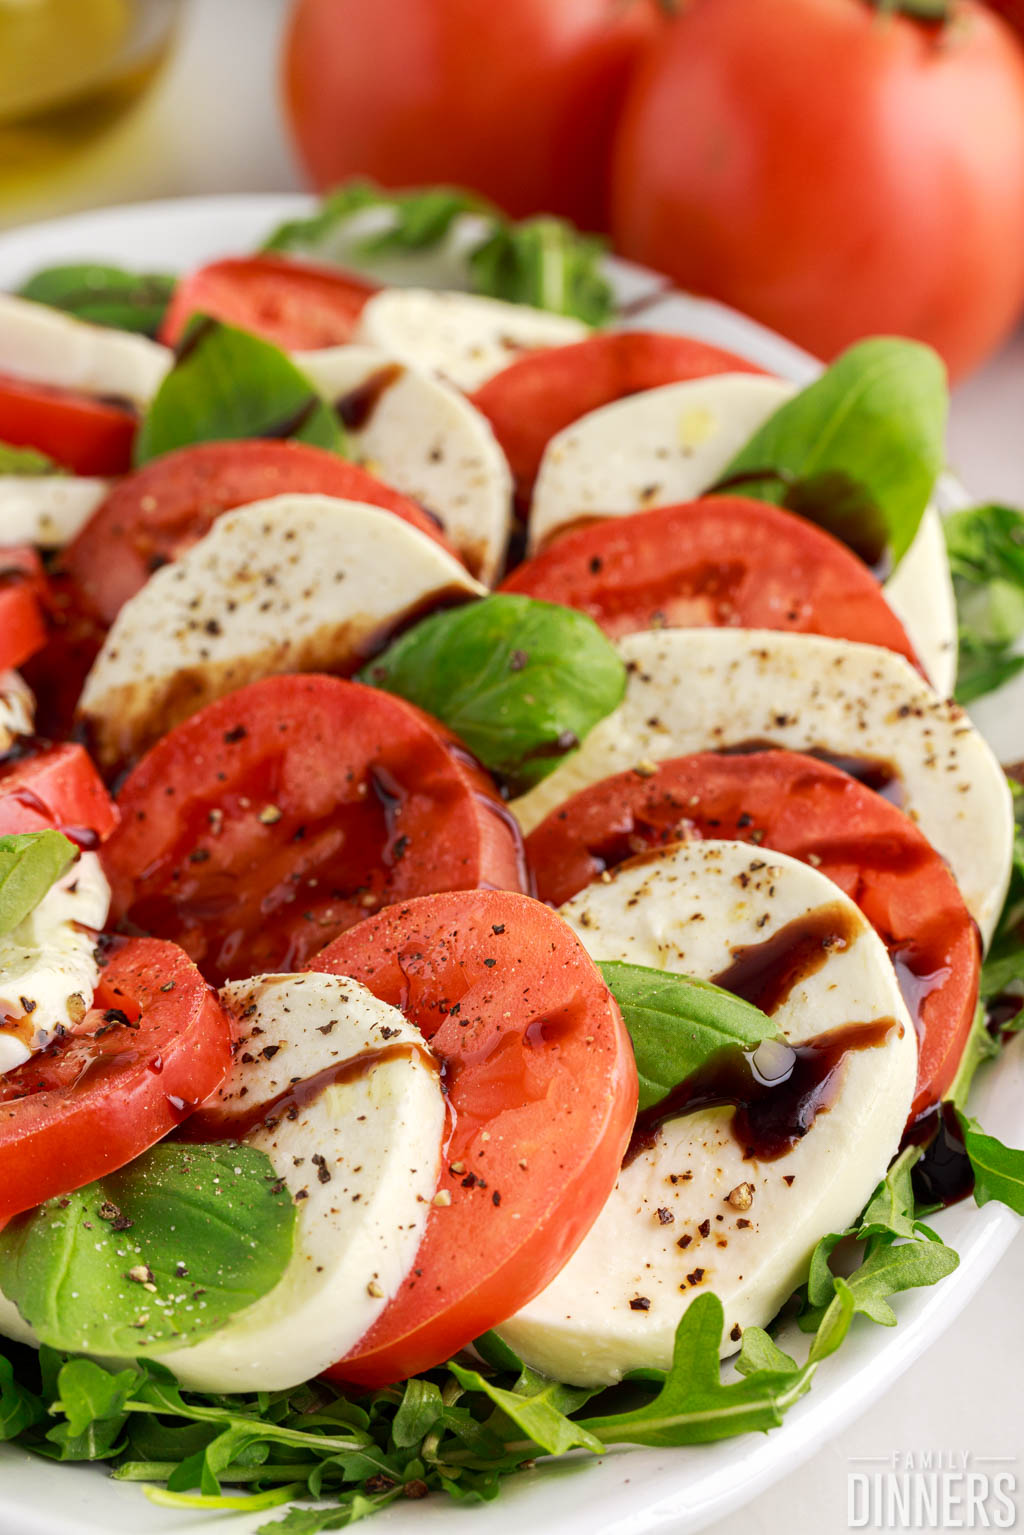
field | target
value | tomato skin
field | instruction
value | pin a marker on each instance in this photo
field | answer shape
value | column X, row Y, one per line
column 22, row 593
column 462, row 966
column 58, row 1127
column 542, row 393
column 517, row 101
column 160, row 511
column 54, row 786
column 812, row 811
column 832, row 171
column 294, row 304
column 276, row 817
column 718, row 561
column 83, row 434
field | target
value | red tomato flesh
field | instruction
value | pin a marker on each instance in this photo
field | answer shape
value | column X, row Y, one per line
column 276, row 817
column 296, row 305
column 721, row 561
column 544, row 392
column 156, row 1042
column 22, row 593
column 542, row 1085
column 79, row 432
column 44, row 786
column 812, row 811
column 160, row 511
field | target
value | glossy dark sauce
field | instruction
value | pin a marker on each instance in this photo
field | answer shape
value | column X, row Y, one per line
column 373, row 644
column 771, row 1115
column 357, row 407
column 288, row 426
column 765, row 974
column 298, row 1097
column 944, row 1174
column 873, row 772
column 832, row 501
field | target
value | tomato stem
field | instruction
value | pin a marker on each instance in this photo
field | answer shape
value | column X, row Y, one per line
column 918, row 10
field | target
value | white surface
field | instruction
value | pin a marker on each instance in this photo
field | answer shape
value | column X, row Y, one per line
column 211, row 127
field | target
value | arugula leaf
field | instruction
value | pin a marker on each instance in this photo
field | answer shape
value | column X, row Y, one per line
column 859, row 450
column 20, row 1408
column 520, row 682
column 677, row 1022
column 1003, row 966
column 981, row 1046
column 537, row 1406
column 547, row 263
column 998, row 1169
column 228, row 384
column 986, row 555
column 26, row 461
column 30, row 863
column 99, row 1270
column 760, row 1352
column 104, row 295
column 693, row 1406
column 541, row 261
column 888, row 1269
column 890, row 1210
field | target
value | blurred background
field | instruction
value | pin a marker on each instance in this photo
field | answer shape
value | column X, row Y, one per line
column 112, row 101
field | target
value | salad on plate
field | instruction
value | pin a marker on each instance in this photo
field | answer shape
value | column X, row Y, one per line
column 501, row 900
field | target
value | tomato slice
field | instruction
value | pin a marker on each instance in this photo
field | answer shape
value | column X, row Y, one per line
column 295, row 304
column 45, row 786
column 155, row 1044
column 812, row 811
column 161, row 510
column 22, row 594
column 275, row 818
column 80, row 432
column 542, row 1086
column 719, row 561
column 538, row 396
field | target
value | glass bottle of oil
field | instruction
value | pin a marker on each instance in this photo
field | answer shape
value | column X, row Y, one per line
column 69, row 70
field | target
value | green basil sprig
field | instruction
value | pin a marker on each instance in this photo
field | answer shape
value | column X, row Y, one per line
column 151, row 1257
column 677, row 1023
column 545, row 261
column 104, row 295
column 857, row 451
column 519, row 681
column 228, row 384
column 986, row 556
column 30, row 864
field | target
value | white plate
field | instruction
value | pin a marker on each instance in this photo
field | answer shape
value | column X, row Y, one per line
column 628, row 1492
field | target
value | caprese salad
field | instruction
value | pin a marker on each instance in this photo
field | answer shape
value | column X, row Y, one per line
column 495, row 886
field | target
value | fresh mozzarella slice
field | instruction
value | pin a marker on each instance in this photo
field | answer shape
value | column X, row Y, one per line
column 360, row 1155
column 48, row 347
column 47, row 509
column 423, row 437
column 17, row 709
column 920, row 589
column 462, row 336
column 693, row 690
column 651, row 449
column 295, row 583
column 693, row 1213
column 48, row 968
column 671, row 444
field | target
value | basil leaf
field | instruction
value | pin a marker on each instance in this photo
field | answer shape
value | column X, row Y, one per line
column 30, row 864
column 864, row 443
column 986, row 555
column 541, row 261
column 104, row 295
column 86, row 1280
column 228, row 384
column 520, row 682
column 677, row 1022
column 547, row 263
column 998, row 1169
column 26, row 461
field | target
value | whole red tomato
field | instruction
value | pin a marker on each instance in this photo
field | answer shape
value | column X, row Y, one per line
column 516, row 99
column 832, row 170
